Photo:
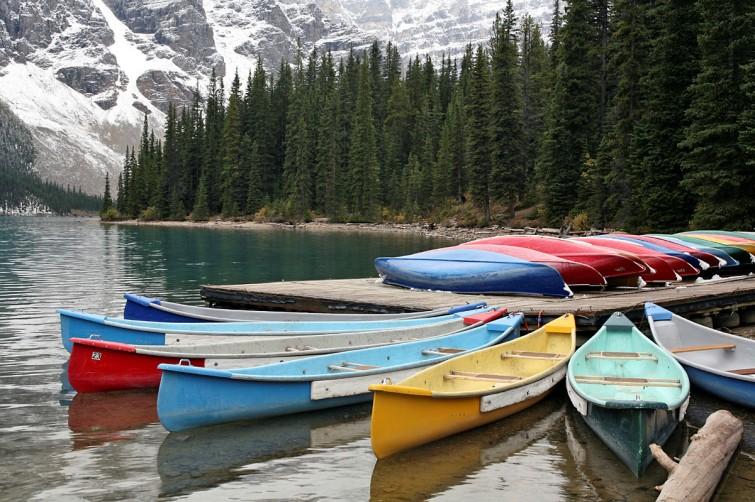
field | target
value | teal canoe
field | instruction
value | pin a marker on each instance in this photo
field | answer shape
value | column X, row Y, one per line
column 630, row 392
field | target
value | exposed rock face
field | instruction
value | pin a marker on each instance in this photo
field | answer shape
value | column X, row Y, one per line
column 81, row 74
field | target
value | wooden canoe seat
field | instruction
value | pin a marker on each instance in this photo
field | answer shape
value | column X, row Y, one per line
column 696, row 348
column 351, row 367
column 743, row 371
column 481, row 377
column 629, row 356
column 442, row 351
column 644, row 382
column 521, row 354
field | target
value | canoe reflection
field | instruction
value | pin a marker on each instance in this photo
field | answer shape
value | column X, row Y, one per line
column 100, row 417
column 430, row 469
column 600, row 472
column 209, row 456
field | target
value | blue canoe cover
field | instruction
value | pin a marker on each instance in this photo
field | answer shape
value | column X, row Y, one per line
column 465, row 270
column 658, row 313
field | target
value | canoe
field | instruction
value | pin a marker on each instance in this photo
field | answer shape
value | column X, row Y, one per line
column 720, row 238
column 717, row 251
column 629, row 391
column 707, row 260
column 741, row 255
column 76, row 324
column 664, row 268
column 574, row 274
column 192, row 397
column 142, row 308
column 617, row 269
column 470, row 390
column 722, row 364
column 463, row 270
column 97, row 365
column 693, row 261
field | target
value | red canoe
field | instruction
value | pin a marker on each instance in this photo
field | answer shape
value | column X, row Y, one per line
column 573, row 273
column 616, row 267
column 712, row 260
column 661, row 263
column 98, row 366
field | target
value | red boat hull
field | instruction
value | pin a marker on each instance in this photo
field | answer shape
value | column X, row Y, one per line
column 611, row 265
column 573, row 273
column 99, row 366
column 708, row 258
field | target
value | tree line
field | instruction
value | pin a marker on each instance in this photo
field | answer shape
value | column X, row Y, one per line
column 633, row 113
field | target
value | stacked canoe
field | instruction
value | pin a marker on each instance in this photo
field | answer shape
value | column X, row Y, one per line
column 554, row 267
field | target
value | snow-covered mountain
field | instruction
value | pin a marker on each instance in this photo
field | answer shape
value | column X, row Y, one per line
column 81, row 74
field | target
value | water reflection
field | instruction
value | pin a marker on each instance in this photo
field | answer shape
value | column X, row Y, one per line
column 211, row 456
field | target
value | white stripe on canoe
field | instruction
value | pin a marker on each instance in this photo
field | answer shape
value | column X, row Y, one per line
column 343, row 387
column 516, row 395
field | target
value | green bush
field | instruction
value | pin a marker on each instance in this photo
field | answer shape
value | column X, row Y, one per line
column 150, row 214
column 111, row 214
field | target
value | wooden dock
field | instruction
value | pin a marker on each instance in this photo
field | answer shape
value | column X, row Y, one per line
column 709, row 298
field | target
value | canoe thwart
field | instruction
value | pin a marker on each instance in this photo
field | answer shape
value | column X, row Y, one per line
column 482, row 377
column 441, row 351
column 743, row 371
column 522, row 354
column 630, row 356
column 645, row 382
column 696, row 348
column 345, row 366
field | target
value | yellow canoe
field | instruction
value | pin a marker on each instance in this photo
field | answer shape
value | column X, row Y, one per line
column 471, row 390
column 739, row 242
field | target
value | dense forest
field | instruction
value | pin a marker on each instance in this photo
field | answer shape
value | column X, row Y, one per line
column 20, row 186
column 629, row 113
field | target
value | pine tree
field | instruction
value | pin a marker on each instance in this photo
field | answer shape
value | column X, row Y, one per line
column 535, row 74
column 107, row 201
column 715, row 165
column 478, row 141
column 252, row 163
column 201, row 210
column 233, row 186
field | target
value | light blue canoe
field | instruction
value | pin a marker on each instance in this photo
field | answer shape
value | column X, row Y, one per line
column 629, row 391
column 193, row 397
column 76, row 324
column 142, row 308
column 722, row 364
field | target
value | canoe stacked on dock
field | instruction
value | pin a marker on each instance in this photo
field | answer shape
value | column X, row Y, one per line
column 628, row 390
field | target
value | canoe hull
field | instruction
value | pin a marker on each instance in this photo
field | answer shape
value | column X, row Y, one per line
column 78, row 327
column 138, row 308
column 189, row 400
column 424, row 419
column 628, row 432
column 100, row 368
column 730, row 389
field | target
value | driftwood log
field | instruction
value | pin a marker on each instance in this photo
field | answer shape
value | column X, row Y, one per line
column 697, row 474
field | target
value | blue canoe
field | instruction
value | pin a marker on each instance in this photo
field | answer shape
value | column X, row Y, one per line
column 142, row 308
column 75, row 324
column 722, row 364
column 464, row 270
column 192, row 396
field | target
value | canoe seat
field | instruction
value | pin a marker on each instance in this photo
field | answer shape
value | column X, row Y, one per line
column 521, row 354
column 629, row 356
column 743, row 371
column 482, row 377
column 300, row 348
column 442, row 351
column 644, row 382
column 696, row 348
column 351, row 367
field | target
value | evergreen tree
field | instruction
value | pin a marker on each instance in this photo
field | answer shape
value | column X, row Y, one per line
column 252, row 162
column 535, row 86
column 201, row 210
column 107, row 201
column 478, row 141
column 234, row 189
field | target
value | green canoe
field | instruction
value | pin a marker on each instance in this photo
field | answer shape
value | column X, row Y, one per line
column 629, row 391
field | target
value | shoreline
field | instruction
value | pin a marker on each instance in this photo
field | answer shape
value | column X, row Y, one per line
column 424, row 229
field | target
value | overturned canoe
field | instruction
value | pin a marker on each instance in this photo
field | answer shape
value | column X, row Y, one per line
column 193, row 397
column 574, row 274
column 739, row 254
column 468, row 270
column 717, row 251
column 615, row 267
column 75, row 324
column 629, row 391
column 470, row 390
column 722, row 364
column 722, row 238
column 707, row 260
column 142, row 308
column 97, row 365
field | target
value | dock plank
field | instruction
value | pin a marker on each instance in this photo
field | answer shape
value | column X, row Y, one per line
column 591, row 308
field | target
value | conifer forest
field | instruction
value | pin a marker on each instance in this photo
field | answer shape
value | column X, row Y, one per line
column 628, row 114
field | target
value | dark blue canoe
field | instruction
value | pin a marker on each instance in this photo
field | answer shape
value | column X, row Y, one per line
column 465, row 270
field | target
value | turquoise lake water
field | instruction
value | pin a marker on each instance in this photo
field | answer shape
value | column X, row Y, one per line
column 57, row 445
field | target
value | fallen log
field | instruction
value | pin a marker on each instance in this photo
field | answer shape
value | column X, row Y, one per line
column 696, row 475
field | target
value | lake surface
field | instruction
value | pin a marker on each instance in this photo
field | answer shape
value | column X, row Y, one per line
column 55, row 444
